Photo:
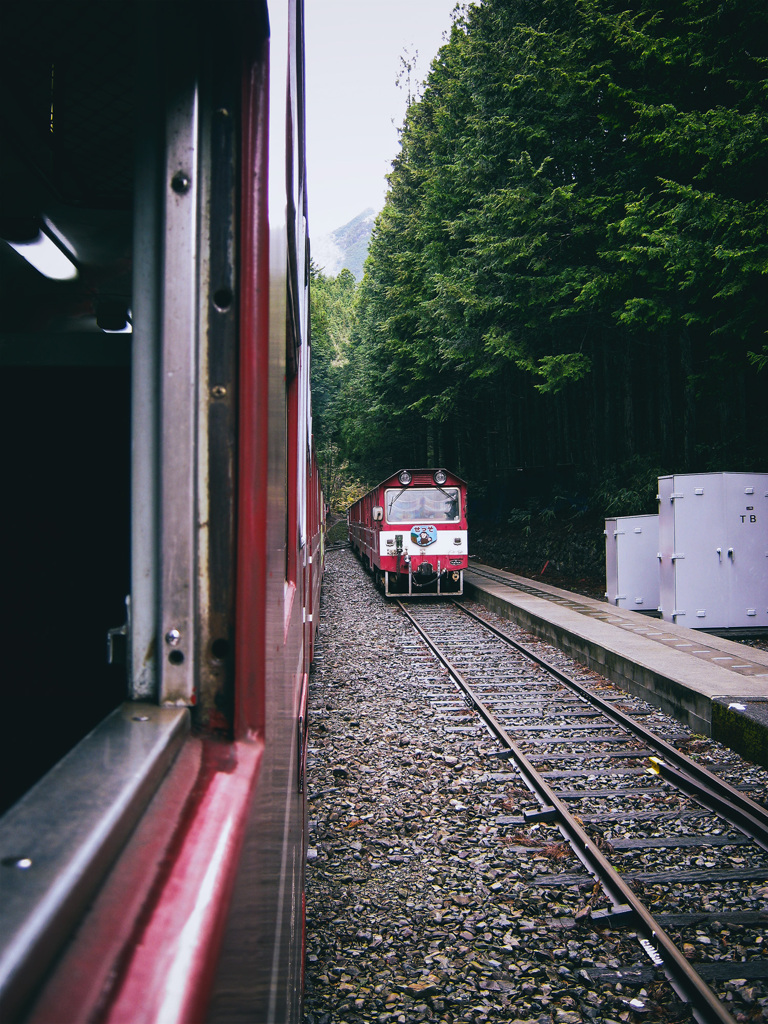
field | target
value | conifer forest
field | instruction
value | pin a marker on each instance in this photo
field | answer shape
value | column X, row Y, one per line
column 566, row 293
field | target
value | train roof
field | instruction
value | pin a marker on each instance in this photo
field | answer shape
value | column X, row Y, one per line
column 427, row 470
column 425, row 473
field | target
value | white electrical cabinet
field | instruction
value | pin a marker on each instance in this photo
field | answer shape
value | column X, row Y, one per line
column 713, row 549
column 632, row 562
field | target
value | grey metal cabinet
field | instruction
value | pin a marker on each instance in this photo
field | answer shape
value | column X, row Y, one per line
column 632, row 562
column 713, row 549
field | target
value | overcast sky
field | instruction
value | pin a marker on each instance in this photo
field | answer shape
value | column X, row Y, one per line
column 354, row 108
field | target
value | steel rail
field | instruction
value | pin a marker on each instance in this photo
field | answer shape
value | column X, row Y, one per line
column 690, row 987
column 697, row 781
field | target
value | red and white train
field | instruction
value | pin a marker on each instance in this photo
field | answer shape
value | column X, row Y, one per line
column 410, row 531
column 157, row 432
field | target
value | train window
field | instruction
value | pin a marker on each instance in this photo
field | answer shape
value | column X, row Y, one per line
column 428, row 504
column 73, row 552
column 66, row 159
column 292, row 463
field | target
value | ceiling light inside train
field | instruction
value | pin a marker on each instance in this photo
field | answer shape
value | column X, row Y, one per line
column 440, row 477
column 127, row 328
column 46, row 257
column 114, row 318
column 405, row 478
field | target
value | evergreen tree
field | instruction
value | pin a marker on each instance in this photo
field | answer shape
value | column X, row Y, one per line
column 331, row 318
column 570, row 265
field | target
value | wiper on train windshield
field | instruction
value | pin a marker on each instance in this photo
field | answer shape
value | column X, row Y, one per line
column 398, row 495
column 453, row 507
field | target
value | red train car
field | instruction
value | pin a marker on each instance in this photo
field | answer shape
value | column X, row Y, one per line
column 157, row 435
column 410, row 531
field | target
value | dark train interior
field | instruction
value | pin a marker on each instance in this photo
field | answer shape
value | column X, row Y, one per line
column 67, row 114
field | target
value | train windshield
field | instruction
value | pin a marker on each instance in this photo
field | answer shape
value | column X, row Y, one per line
column 422, row 504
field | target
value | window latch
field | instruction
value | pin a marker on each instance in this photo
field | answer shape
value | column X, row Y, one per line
column 124, row 631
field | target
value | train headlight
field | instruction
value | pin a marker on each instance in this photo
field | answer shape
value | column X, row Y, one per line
column 440, row 476
column 405, row 478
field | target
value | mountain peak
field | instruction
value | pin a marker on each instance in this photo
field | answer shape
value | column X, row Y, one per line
column 345, row 247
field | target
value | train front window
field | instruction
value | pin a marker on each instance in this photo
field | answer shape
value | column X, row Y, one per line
column 422, row 504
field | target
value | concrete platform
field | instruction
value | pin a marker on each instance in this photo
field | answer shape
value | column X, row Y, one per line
column 715, row 686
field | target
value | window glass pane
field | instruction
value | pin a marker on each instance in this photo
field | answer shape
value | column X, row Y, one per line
column 422, row 504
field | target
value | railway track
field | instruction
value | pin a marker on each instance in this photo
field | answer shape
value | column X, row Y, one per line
column 653, row 832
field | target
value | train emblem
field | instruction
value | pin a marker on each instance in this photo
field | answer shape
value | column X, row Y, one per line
column 423, row 535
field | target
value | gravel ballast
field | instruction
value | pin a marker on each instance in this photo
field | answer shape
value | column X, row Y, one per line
column 422, row 904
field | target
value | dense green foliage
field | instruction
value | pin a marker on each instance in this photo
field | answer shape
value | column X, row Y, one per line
column 570, row 274
column 332, row 316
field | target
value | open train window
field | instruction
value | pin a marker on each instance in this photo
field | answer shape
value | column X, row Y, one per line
column 99, row 420
column 66, row 164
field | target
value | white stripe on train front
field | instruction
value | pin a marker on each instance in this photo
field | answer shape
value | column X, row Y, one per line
column 449, row 542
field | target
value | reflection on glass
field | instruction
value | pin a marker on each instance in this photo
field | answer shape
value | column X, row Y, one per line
column 422, row 504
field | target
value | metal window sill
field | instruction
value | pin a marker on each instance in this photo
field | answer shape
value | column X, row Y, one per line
column 58, row 841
